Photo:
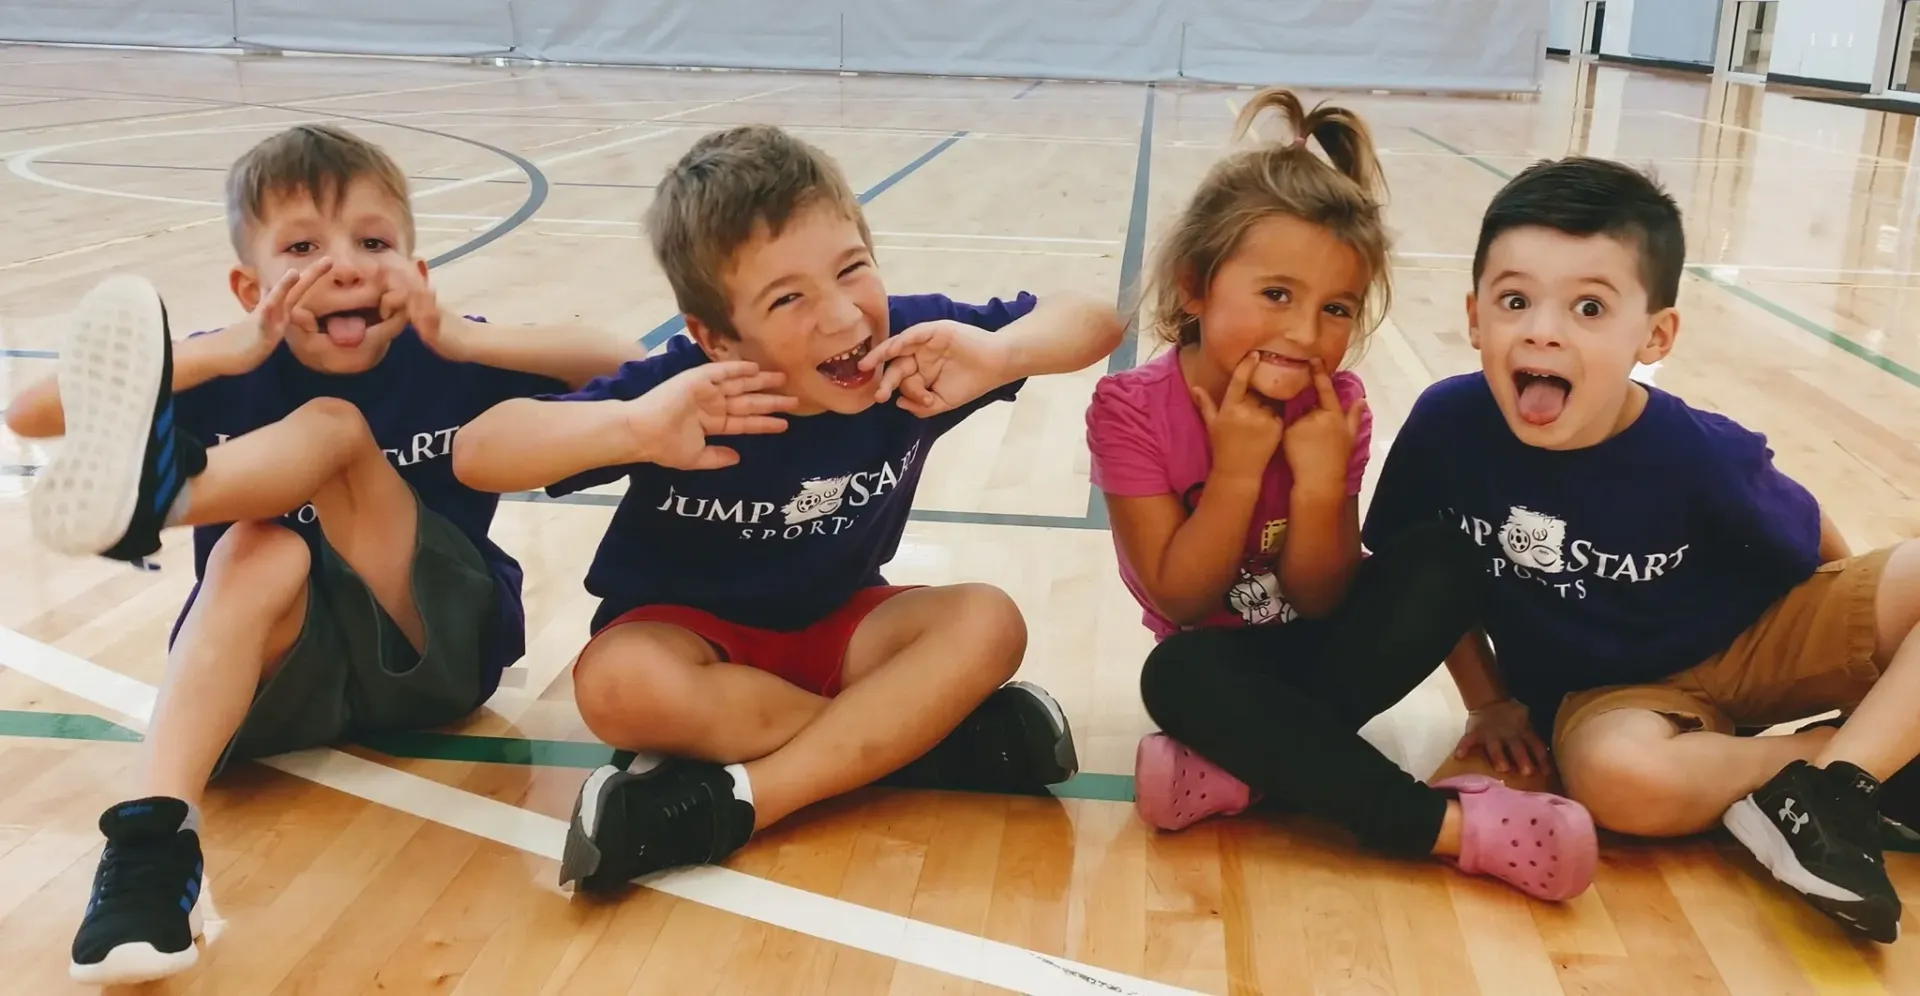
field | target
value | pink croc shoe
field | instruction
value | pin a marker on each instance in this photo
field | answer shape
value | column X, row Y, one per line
column 1541, row 844
column 1174, row 788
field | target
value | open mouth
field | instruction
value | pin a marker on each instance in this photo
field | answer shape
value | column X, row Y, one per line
column 1272, row 358
column 1543, row 396
column 844, row 369
column 348, row 329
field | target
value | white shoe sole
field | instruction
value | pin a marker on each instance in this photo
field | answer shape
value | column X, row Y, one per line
column 137, row 962
column 109, row 376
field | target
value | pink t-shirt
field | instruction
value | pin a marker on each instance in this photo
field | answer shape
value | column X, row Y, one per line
column 1147, row 438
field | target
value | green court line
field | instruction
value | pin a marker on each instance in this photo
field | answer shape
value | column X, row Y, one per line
column 429, row 746
column 1830, row 336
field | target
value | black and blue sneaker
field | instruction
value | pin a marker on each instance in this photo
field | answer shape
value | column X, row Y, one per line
column 123, row 461
column 643, row 814
column 1818, row 831
column 1016, row 742
column 145, row 911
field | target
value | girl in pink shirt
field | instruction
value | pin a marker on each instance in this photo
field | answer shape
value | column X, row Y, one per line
column 1231, row 467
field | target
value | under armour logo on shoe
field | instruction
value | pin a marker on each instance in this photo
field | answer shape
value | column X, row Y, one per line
column 1797, row 819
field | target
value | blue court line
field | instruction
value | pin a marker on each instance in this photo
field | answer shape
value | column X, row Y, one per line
column 1035, row 85
column 29, row 354
column 1699, row 271
column 678, row 323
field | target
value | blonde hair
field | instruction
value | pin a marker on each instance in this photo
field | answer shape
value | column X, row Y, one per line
column 1278, row 177
column 719, row 194
column 318, row 160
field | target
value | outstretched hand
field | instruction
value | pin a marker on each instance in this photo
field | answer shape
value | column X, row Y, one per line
column 672, row 423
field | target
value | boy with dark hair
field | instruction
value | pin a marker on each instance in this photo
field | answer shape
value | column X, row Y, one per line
column 1656, row 582
column 346, row 581
column 744, row 627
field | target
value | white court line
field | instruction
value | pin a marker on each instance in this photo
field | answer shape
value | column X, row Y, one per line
column 886, row 934
column 1767, row 267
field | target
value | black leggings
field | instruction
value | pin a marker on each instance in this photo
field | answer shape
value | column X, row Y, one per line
column 1280, row 707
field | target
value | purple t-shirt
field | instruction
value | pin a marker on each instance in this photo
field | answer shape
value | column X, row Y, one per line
column 807, row 517
column 1621, row 563
column 414, row 400
column 1147, row 438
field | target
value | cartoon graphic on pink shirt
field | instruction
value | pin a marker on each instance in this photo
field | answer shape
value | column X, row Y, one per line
column 1147, row 439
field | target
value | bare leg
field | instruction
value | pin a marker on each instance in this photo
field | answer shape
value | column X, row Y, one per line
column 1636, row 774
column 657, row 687
column 248, row 614
column 322, row 454
column 1881, row 735
column 915, row 668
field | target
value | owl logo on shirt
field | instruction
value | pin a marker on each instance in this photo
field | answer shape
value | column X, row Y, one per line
column 1534, row 540
column 1257, row 599
column 818, row 497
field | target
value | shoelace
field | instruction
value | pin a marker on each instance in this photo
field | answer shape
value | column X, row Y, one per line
column 139, row 868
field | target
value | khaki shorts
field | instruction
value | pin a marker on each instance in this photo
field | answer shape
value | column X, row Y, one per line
column 1810, row 652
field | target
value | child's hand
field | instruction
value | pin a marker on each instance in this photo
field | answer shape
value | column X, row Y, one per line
column 937, row 366
column 1320, row 443
column 1504, row 732
column 410, row 300
column 671, row 423
column 254, row 338
column 1243, row 428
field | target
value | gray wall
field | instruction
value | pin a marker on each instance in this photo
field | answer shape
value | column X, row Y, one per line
column 1680, row 30
column 1438, row 44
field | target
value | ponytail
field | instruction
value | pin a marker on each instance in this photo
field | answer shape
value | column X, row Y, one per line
column 1346, row 139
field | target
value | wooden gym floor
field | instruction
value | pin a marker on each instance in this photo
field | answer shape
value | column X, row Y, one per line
column 426, row 864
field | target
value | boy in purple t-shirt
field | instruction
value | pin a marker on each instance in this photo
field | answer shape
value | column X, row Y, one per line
column 748, row 657
column 346, row 581
column 1656, row 582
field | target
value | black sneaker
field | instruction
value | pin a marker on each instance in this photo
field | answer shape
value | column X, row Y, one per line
column 1015, row 742
column 629, row 823
column 145, row 912
column 1818, row 832
column 122, row 462
column 1897, row 836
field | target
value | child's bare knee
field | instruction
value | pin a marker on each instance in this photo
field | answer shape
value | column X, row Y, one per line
column 1897, row 603
column 261, row 558
column 986, row 616
column 1627, row 786
column 335, row 423
column 632, row 693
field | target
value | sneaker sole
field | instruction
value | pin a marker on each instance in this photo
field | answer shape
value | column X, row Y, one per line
column 1872, row 916
column 1066, row 758
column 580, row 858
column 109, row 376
column 138, row 961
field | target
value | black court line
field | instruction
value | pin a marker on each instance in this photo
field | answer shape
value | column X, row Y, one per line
column 678, row 323
column 1035, row 85
column 424, row 179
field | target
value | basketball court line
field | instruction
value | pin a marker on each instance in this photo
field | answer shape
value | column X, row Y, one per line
column 426, row 745
column 885, row 934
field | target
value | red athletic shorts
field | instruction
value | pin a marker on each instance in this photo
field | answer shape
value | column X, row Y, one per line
column 810, row 658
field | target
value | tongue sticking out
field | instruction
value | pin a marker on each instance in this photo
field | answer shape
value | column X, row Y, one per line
column 1542, row 399
column 346, row 329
